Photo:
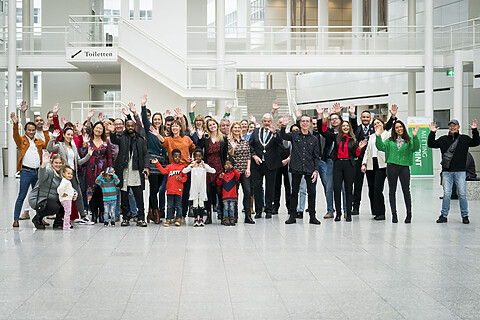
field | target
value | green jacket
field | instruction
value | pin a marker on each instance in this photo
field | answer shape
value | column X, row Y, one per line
column 402, row 156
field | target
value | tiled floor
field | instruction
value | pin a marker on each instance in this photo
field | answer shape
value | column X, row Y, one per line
column 359, row 270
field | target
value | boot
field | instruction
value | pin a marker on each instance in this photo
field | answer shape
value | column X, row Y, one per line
column 150, row 215
column 300, row 215
column 156, row 216
column 209, row 218
column 248, row 218
column 162, row 213
column 394, row 218
column 338, row 217
column 292, row 218
column 348, row 218
column 232, row 221
column 408, row 219
column 226, row 221
column 313, row 219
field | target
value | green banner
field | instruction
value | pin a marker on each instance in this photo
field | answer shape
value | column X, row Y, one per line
column 423, row 158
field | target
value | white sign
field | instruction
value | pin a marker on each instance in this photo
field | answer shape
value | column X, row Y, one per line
column 92, row 54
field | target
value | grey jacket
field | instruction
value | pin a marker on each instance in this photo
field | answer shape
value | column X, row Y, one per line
column 48, row 179
column 61, row 149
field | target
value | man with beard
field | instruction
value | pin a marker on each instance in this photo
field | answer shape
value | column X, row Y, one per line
column 130, row 167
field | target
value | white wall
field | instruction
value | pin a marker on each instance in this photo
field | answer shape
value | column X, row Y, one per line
column 135, row 83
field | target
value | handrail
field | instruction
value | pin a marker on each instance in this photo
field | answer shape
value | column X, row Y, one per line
column 455, row 23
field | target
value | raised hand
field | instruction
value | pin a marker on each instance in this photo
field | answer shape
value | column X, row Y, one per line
column 319, row 110
column 64, row 121
column 326, row 113
column 154, row 131
column 351, row 109
column 110, row 127
column 252, row 119
column 192, row 105
column 337, row 108
column 100, row 117
column 362, row 143
column 79, row 128
column 378, row 131
column 179, row 113
column 394, row 110
column 275, row 106
column 91, row 113
column 14, row 118
column 415, row 131
column 45, row 157
column 144, row 100
column 90, row 151
column 272, row 128
column 56, row 134
column 132, row 108
column 433, row 127
column 229, row 107
column 45, row 126
column 286, row 119
column 125, row 112
column 23, row 106
column 474, row 124
column 55, row 109
column 167, row 113
column 298, row 113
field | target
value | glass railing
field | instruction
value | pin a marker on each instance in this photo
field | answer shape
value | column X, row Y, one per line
column 93, row 31
column 109, row 109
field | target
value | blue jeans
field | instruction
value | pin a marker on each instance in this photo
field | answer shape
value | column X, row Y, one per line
column 117, row 204
column 27, row 178
column 109, row 210
column 326, row 175
column 174, row 204
column 161, row 193
column 459, row 179
column 133, row 203
column 228, row 208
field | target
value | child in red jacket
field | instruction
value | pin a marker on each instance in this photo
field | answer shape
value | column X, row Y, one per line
column 228, row 181
column 176, row 179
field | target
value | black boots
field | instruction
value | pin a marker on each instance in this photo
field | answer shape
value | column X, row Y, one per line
column 348, row 218
column 408, row 219
column 292, row 218
column 248, row 218
column 209, row 218
column 338, row 217
column 394, row 218
column 313, row 219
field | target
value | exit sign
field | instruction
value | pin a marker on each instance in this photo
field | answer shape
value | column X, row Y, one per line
column 450, row 73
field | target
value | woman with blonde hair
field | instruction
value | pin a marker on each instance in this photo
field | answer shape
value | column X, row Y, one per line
column 198, row 127
column 215, row 147
column 239, row 150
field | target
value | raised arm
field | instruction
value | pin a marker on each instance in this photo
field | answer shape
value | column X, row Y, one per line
column 432, row 142
column 23, row 109
column 475, row 137
column 53, row 145
column 283, row 133
column 393, row 118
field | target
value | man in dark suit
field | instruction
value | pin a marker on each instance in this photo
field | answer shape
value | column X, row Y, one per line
column 362, row 132
column 265, row 147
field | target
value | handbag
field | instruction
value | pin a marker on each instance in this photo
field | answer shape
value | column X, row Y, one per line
column 42, row 205
column 447, row 156
column 153, row 168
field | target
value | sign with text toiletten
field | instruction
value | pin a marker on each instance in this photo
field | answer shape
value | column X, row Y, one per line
column 92, row 54
column 423, row 158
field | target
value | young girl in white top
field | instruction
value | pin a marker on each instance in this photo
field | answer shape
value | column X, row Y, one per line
column 66, row 194
column 198, row 188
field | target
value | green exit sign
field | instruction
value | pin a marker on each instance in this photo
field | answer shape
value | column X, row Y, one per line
column 450, row 73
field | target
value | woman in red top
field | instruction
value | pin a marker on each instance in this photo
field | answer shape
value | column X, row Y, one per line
column 215, row 147
column 345, row 150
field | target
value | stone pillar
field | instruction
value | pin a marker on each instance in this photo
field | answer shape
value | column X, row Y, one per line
column 12, row 88
column 429, row 58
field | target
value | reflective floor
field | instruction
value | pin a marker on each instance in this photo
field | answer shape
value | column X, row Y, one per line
column 338, row 270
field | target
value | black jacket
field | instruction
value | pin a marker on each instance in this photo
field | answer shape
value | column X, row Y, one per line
column 204, row 144
column 459, row 158
column 140, row 154
column 273, row 149
column 360, row 134
column 305, row 151
column 334, row 138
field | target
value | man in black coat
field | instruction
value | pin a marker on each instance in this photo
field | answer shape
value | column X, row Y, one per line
column 265, row 147
column 454, row 148
column 131, row 166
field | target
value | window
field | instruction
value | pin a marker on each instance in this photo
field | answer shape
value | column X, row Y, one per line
column 145, row 8
column 257, row 8
column 441, row 117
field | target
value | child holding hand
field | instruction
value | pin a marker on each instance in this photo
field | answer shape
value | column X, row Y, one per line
column 108, row 180
column 66, row 194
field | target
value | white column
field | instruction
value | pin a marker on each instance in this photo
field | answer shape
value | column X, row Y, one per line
column 412, row 77
column 357, row 22
column 125, row 9
column 458, row 87
column 136, row 9
column 374, row 12
column 429, row 58
column 323, row 24
column 12, row 88
column 220, row 41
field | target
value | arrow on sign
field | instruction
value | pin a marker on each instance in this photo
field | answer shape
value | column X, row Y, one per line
column 74, row 55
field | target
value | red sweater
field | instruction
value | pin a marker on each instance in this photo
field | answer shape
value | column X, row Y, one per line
column 229, row 185
column 174, row 170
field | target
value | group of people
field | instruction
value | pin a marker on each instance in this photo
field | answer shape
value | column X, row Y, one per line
column 196, row 166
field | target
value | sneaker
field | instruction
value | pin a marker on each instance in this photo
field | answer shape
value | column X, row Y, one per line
column 125, row 223
column 112, row 223
column 465, row 220
column 178, row 222
column 329, row 215
column 135, row 219
column 441, row 219
column 51, row 217
column 168, row 223
column 85, row 221
column 24, row 216
column 141, row 223
column 201, row 223
column 195, row 222
column 105, row 224
column 68, row 228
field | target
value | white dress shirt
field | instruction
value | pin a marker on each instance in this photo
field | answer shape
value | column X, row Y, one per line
column 31, row 158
